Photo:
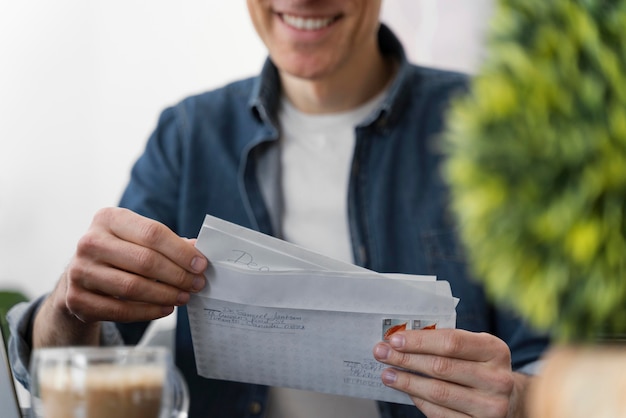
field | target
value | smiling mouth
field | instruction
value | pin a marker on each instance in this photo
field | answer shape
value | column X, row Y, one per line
column 307, row 23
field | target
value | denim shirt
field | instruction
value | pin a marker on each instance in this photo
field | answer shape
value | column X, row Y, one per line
column 217, row 153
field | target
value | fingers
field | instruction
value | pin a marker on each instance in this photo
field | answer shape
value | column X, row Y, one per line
column 98, row 248
column 433, row 410
column 453, row 343
column 146, row 233
column 461, row 372
column 92, row 307
column 449, row 370
column 130, row 268
column 127, row 286
column 102, row 293
column 441, row 398
column 125, row 240
column 461, row 357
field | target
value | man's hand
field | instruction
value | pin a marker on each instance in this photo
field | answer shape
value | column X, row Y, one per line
column 126, row 268
column 453, row 373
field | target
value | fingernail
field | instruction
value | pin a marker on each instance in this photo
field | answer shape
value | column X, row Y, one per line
column 397, row 341
column 381, row 351
column 389, row 376
column 166, row 310
column 198, row 283
column 198, row 264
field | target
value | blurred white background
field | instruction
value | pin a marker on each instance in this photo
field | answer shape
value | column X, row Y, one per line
column 82, row 83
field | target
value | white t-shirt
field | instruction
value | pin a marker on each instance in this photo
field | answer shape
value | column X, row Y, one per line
column 316, row 157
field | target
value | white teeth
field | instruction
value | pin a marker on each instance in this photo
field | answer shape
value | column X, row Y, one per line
column 302, row 23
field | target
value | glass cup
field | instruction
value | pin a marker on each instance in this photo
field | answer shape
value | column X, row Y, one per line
column 107, row 382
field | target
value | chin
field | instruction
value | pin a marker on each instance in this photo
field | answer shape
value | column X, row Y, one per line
column 308, row 75
column 313, row 71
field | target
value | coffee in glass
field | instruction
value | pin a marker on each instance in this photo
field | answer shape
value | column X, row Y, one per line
column 107, row 382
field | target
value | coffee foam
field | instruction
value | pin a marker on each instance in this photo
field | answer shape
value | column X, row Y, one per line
column 102, row 376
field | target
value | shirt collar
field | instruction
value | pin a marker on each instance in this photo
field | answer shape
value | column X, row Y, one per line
column 265, row 97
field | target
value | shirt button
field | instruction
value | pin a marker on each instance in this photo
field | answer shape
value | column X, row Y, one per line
column 254, row 408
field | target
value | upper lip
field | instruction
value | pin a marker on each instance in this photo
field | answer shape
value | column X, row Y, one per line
column 303, row 16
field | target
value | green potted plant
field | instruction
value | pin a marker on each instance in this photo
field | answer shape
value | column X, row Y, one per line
column 8, row 298
column 537, row 167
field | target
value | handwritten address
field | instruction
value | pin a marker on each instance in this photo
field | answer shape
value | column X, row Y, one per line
column 266, row 321
column 363, row 373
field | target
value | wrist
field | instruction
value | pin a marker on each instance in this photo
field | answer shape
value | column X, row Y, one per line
column 56, row 325
column 517, row 405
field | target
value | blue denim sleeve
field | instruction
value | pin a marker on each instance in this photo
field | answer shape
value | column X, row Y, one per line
column 20, row 319
column 526, row 343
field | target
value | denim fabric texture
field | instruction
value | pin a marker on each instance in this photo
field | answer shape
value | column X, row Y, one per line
column 209, row 155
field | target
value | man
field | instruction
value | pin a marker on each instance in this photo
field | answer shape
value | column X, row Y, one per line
column 331, row 147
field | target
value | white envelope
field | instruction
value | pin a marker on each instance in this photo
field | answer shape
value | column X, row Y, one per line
column 280, row 315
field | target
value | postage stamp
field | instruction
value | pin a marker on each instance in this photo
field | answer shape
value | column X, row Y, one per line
column 393, row 325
